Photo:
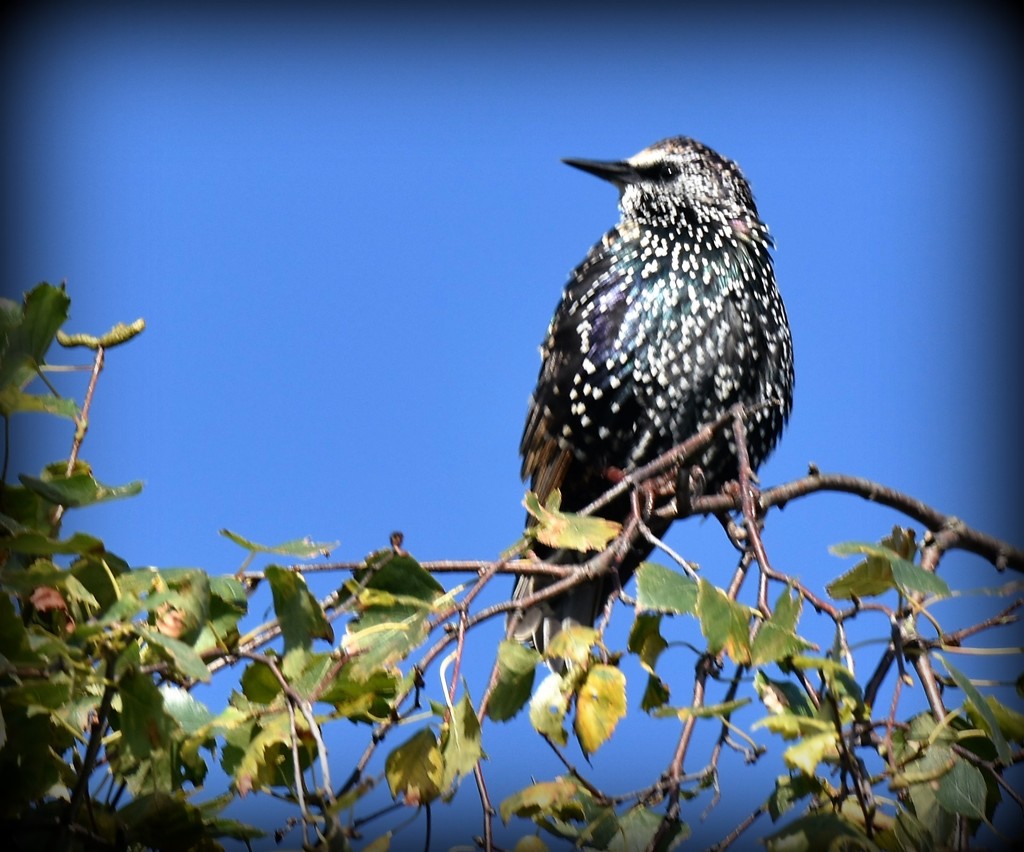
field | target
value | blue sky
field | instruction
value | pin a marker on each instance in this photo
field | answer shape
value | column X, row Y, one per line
column 347, row 233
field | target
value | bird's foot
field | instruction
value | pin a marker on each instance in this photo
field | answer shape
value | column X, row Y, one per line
column 614, row 475
column 737, row 532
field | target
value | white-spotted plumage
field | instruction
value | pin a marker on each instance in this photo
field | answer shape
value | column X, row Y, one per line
column 672, row 317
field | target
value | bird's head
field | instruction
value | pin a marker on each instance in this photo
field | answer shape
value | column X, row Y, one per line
column 677, row 172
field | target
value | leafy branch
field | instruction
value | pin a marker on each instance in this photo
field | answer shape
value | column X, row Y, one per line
column 104, row 741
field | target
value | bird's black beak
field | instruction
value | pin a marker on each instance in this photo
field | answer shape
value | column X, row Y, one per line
column 619, row 173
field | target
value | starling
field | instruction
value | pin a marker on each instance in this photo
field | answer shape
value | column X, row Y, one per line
column 671, row 319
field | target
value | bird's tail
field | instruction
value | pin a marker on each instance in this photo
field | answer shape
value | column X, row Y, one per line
column 583, row 603
column 580, row 605
column 541, row 622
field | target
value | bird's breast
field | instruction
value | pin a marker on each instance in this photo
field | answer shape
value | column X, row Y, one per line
column 661, row 329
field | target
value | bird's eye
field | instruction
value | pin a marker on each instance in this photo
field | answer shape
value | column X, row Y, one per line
column 667, row 171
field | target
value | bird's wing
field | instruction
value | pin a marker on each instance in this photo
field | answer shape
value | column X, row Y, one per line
column 585, row 327
column 692, row 362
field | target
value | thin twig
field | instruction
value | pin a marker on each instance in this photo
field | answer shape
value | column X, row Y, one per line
column 488, row 808
column 656, row 542
column 293, row 700
column 993, row 770
column 297, row 772
column 675, row 770
column 734, row 835
column 999, row 553
column 922, row 665
column 1000, row 619
column 91, row 754
column 81, row 427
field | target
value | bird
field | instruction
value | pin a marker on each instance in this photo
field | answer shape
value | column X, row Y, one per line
column 672, row 318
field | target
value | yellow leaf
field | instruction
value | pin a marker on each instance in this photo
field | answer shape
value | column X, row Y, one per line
column 562, row 529
column 600, row 704
column 415, row 769
column 556, row 798
column 810, row 751
column 572, row 643
column 530, row 843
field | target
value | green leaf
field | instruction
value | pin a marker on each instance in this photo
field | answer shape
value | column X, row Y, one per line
column 660, row 589
column 559, row 529
column 646, row 641
column 24, row 512
column 16, row 401
column 884, row 569
column 30, row 763
column 161, row 821
column 962, row 790
column 548, row 707
column 190, row 713
column 259, row 684
column 819, row 832
column 638, row 826
column 791, row 726
column 790, row 789
column 397, row 597
column 776, row 639
column 920, row 776
column 840, row 679
column 228, row 604
column 259, row 755
column 380, row 646
column 810, row 751
column 183, row 657
column 572, row 643
column 301, row 617
column 77, row 490
column 178, row 599
column 43, row 573
column 26, row 332
column 600, row 704
column 902, row 542
column 306, row 670
column 976, row 701
column 41, row 695
column 530, row 843
column 38, row 544
column 367, row 699
column 1010, row 722
column 100, row 573
column 595, row 828
column 724, row 623
column 911, row 578
column 14, row 644
column 234, row 829
column 517, row 667
column 381, row 844
column 301, row 548
column 460, row 743
column 559, row 797
column 708, row 711
column 783, row 696
column 238, row 731
column 907, row 832
column 867, row 579
column 773, row 644
column 399, row 574
column 415, row 770
column 145, row 724
column 786, row 613
column 899, row 544
column 656, row 694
